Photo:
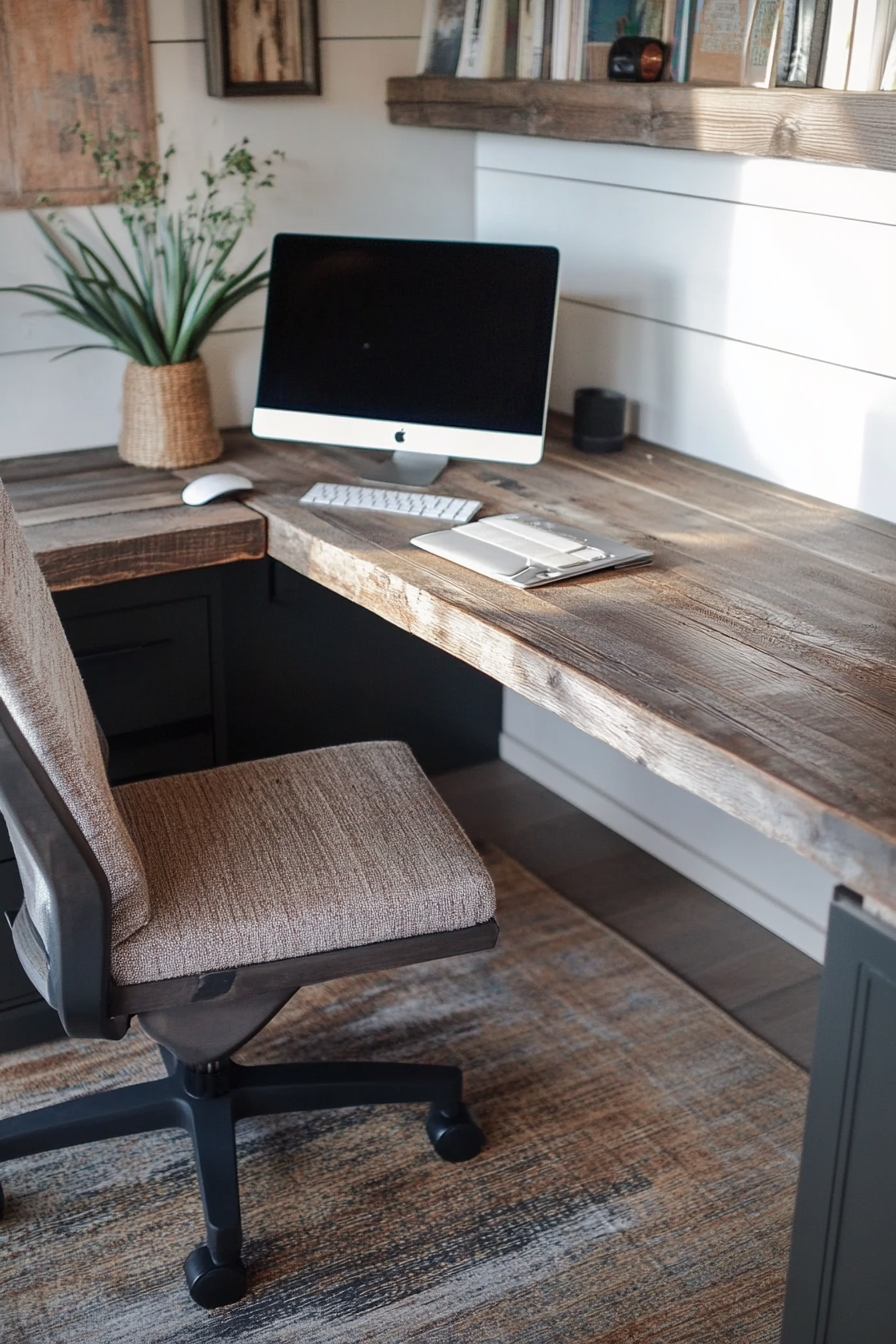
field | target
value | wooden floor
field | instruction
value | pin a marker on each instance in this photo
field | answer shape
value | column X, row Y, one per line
column 760, row 980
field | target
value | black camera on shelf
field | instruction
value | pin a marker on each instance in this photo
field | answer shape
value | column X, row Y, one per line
column 638, row 59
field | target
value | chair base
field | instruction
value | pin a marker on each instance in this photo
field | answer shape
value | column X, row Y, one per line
column 207, row 1101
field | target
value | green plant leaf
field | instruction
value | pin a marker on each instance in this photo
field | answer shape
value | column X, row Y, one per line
column 64, row 306
column 116, row 252
column 139, row 302
column 75, row 349
column 158, row 305
column 54, row 240
column 205, row 310
column 201, row 331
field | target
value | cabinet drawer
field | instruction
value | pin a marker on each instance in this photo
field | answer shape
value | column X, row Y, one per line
column 145, row 666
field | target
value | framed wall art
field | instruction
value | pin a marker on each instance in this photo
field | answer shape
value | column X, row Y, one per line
column 258, row 48
column 64, row 63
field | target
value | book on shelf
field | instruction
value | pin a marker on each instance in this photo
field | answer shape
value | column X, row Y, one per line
column 837, row 44
column 547, row 52
column 578, row 25
column 720, row 35
column 871, row 33
column 440, row 37
column 597, row 58
column 562, row 20
column 511, row 37
column 530, row 43
column 484, row 35
column 785, row 40
column 802, row 43
column 888, row 77
column 680, row 37
column 761, row 51
column 838, row 40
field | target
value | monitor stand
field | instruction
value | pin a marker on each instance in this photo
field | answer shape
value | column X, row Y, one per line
column 404, row 468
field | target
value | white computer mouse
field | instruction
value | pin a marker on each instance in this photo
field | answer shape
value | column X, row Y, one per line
column 217, row 483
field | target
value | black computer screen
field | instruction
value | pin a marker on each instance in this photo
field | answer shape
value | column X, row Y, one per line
column 455, row 334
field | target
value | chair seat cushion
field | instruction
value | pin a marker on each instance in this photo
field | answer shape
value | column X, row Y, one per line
column 293, row 855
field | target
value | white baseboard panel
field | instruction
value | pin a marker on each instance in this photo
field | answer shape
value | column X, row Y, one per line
column 674, row 826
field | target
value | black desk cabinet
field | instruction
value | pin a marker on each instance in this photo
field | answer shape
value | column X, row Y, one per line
column 190, row 670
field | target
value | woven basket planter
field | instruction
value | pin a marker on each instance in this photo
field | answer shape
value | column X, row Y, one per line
column 167, row 416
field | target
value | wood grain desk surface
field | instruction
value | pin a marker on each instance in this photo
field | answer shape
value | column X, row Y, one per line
column 754, row 663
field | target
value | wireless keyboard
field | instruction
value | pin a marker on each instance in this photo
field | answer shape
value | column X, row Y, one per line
column 443, row 507
column 524, row 551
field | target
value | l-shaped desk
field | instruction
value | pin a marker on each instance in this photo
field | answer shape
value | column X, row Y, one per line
column 754, row 664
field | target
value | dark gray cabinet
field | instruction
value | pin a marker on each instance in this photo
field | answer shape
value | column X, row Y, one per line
column 150, row 655
column 841, row 1288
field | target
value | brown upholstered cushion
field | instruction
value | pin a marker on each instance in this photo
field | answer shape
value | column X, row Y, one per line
column 42, row 689
column 293, row 855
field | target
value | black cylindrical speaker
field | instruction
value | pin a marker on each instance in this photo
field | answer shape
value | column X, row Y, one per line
column 598, row 424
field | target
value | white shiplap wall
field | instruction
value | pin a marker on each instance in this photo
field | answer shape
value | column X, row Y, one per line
column 745, row 305
column 746, row 309
column 346, row 171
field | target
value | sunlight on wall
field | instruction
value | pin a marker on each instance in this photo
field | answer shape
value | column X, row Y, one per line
column 801, row 430
column 803, row 419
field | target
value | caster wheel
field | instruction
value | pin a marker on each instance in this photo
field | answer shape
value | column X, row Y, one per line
column 212, row 1285
column 454, row 1134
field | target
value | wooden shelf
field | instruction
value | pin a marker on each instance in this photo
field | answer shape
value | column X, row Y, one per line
column 820, row 125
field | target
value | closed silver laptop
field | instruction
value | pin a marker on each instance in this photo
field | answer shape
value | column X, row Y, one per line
column 526, row 551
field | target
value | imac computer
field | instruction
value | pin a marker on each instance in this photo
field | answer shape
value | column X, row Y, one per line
column 429, row 349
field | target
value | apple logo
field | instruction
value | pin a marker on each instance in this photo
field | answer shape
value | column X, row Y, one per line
column 399, row 436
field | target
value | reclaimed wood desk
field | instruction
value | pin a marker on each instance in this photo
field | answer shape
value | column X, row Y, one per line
column 754, row 664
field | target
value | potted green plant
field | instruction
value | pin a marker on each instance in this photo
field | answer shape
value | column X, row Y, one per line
column 158, row 304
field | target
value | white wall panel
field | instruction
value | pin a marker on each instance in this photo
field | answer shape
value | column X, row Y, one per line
column 232, row 359
column 181, row 20
column 175, row 20
column 808, row 284
column 370, row 18
column 346, row 169
column 48, row 404
column 77, row 400
column 848, row 193
column 827, row 431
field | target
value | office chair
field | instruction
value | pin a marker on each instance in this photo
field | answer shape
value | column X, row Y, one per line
column 200, row 903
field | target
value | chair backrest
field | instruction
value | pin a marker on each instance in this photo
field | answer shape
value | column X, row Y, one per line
column 50, row 725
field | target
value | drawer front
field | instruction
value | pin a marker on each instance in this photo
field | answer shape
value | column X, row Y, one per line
column 145, row 666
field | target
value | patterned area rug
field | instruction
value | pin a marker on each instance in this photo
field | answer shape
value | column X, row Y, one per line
column 637, row 1187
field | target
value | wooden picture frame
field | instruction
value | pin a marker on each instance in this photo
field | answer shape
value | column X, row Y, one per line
column 64, row 63
column 260, row 48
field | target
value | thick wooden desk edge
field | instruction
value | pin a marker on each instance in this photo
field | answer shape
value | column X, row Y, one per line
column 852, row 853
column 113, row 522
